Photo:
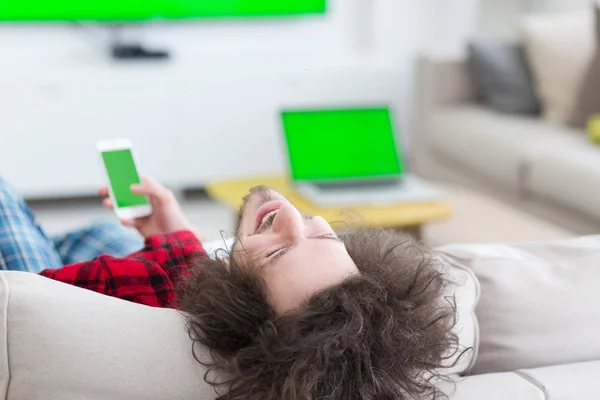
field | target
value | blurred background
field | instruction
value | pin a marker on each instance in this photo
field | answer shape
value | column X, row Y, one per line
column 487, row 96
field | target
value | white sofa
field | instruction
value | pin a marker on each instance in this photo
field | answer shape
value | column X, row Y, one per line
column 534, row 335
column 550, row 170
column 539, row 318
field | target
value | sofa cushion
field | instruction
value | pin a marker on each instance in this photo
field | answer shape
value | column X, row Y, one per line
column 495, row 145
column 539, row 305
column 61, row 342
column 567, row 173
column 566, row 382
column 563, row 382
column 500, row 386
column 502, row 74
column 559, row 48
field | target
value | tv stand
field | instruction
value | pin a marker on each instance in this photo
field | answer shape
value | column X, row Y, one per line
column 135, row 51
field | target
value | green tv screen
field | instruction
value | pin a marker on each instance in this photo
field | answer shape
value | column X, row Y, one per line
column 142, row 10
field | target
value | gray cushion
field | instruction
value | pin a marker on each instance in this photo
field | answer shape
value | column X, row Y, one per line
column 588, row 102
column 501, row 72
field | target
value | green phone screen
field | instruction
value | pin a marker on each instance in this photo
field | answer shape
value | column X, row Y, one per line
column 122, row 173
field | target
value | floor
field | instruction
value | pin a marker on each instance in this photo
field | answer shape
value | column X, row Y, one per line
column 481, row 219
column 477, row 219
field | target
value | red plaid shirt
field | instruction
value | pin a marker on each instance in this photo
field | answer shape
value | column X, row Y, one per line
column 147, row 277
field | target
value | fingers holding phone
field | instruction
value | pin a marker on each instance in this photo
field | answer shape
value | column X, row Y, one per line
column 141, row 203
column 166, row 216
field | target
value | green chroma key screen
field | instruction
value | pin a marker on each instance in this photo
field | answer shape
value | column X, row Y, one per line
column 330, row 145
column 122, row 174
column 140, row 10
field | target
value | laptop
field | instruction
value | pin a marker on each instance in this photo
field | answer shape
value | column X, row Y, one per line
column 349, row 156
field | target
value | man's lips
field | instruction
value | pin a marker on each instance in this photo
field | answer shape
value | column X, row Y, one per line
column 264, row 210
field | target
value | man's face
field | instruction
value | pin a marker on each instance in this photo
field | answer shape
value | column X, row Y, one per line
column 298, row 255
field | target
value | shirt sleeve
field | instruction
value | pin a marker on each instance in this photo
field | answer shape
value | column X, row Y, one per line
column 149, row 276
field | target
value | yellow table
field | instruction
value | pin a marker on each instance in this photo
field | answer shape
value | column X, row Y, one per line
column 407, row 217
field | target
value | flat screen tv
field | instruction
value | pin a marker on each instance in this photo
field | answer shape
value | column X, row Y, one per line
column 124, row 11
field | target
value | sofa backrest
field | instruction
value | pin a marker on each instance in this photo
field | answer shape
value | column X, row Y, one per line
column 61, row 342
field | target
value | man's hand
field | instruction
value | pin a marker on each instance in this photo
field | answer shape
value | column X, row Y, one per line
column 166, row 216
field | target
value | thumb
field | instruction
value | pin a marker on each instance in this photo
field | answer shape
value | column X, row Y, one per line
column 148, row 187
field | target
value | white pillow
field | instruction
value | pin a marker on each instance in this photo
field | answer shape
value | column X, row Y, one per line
column 540, row 302
column 559, row 48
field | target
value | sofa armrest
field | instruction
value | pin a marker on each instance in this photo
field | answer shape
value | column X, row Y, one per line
column 441, row 81
column 445, row 80
column 61, row 342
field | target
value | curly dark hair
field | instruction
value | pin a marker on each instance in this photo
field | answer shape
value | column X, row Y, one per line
column 385, row 334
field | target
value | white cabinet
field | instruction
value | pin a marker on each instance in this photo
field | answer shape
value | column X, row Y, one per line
column 49, row 127
column 187, row 128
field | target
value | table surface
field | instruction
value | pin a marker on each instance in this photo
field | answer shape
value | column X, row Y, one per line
column 398, row 215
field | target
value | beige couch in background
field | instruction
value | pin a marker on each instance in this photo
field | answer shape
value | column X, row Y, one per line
column 534, row 335
column 550, row 170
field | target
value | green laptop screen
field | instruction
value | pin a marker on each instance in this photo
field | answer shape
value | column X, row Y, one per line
column 330, row 145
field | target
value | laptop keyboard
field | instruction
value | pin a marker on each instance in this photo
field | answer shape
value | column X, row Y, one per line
column 373, row 185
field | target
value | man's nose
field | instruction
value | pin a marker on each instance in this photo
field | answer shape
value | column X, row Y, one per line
column 289, row 222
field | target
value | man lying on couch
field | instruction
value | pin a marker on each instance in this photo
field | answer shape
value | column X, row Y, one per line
column 294, row 311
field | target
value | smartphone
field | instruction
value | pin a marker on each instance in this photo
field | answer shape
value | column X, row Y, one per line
column 121, row 171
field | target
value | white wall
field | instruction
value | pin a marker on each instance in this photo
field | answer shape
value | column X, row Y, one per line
column 210, row 112
column 500, row 19
column 342, row 37
column 453, row 22
column 457, row 21
column 560, row 5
